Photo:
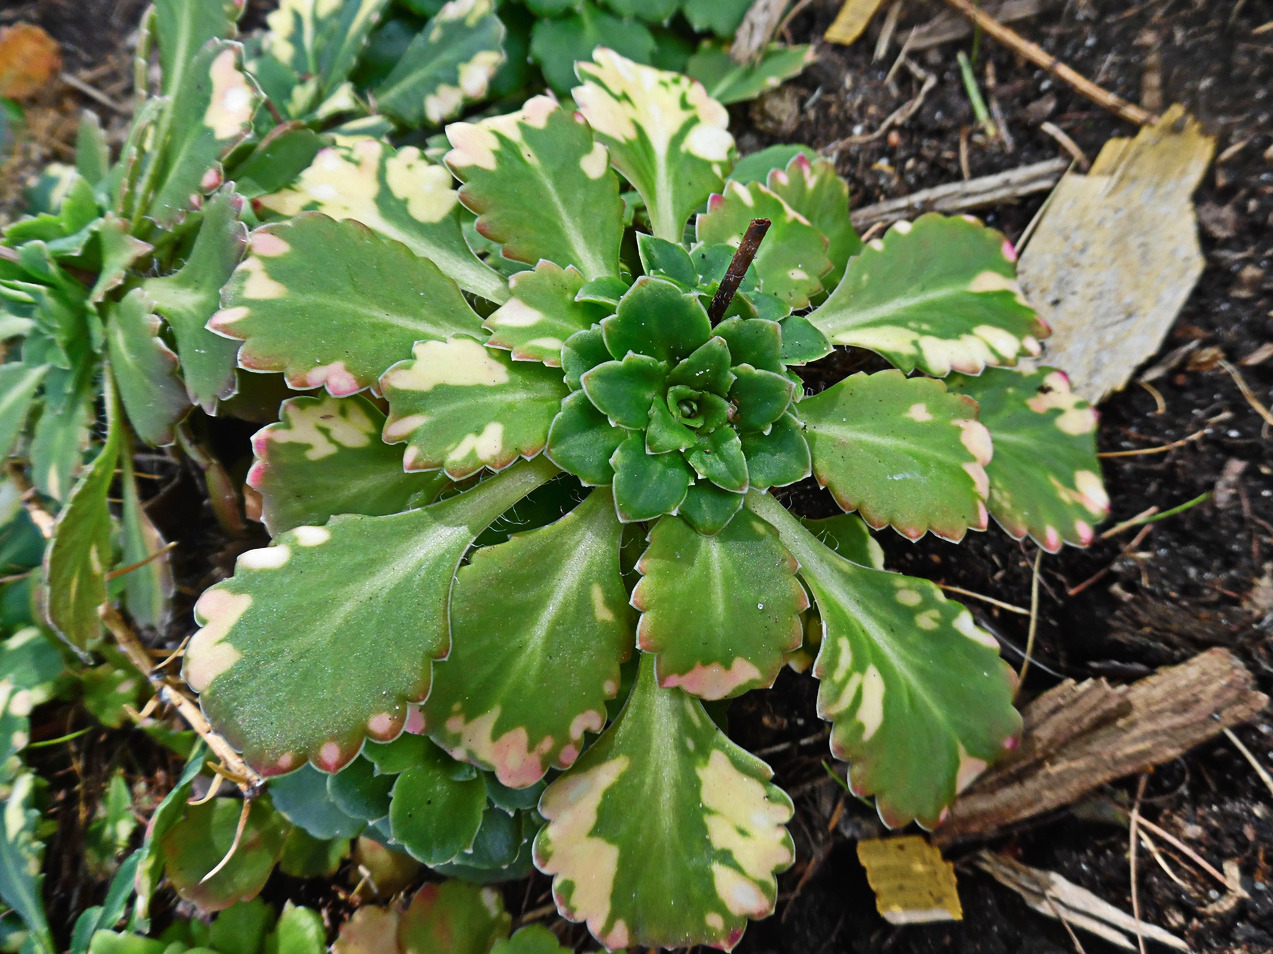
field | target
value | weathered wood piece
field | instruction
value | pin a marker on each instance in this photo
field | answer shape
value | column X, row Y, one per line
column 1081, row 735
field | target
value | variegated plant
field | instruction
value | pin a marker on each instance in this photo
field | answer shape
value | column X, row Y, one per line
column 436, row 587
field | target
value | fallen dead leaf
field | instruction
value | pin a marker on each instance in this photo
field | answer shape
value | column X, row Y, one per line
column 912, row 884
column 29, row 59
column 851, row 21
column 1116, row 254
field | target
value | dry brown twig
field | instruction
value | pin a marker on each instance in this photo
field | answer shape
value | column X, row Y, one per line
column 1045, row 60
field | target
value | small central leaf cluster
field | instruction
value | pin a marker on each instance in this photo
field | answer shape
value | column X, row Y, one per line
column 680, row 416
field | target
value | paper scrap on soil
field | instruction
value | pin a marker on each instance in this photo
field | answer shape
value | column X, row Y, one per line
column 1116, row 254
column 1050, row 894
column 912, row 884
column 851, row 21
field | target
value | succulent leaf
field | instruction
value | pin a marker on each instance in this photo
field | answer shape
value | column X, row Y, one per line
column 753, row 341
column 718, row 612
column 901, row 451
column 647, row 485
column 582, row 441
column 664, row 133
column 919, row 700
column 454, row 917
column 434, row 815
column 541, row 186
column 529, row 673
column 461, row 407
column 324, row 457
column 317, row 627
column 721, row 820
column 657, row 319
column 708, row 509
column 779, row 457
column 1045, row 477
column 397, row 193
column 718, row 456
column 582, row 351
column 938, row 294
column 623, row 390
column 543, row 312
column 312, row 300
column 793, row 256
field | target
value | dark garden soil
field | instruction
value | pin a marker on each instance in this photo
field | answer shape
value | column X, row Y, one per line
column 1119, row 609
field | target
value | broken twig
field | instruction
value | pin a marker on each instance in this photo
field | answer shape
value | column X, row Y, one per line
column 1045, row 60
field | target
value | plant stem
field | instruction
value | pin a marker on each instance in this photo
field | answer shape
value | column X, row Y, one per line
column 738, row 266
column 974, row 96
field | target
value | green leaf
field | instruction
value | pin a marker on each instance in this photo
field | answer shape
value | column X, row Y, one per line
column 116, row 251
column 325, row 457
column 18, row 386
column 280, row 158
column 656, row 11
column 303, row 799
column 721, row 17
column 761, row 397
column 330, row 303
column 433, row 815
column 815, row 190
column 398, row 193
column 148, row 587
column 582, row 350
column 299, row 931
column 79, row 554
column 21, row 856
column 204, row 835
column 61, row 433
column 1045, row 477
column 623, row 390
column 582, row 440
column 453, row 917
column 708, row 509
column 801, row 341
column 315, row 626
column 756, row 166
column 666, row 260
column 919, row 700
column 848, row 535
column 166, row 815
column 753, row 341
column 190, row 296
column 182, row 29
column 718, row 612
column 144, row 370
column 557, row 44
column 211, row 113
column 461, row 407
column 938, row 294
column 657, row 319
column 543, row 312
column 241, row 927
column 541, row 187
column 729, row 82
column 360, row 791
column 447, row 65
column 530, row 672
column 532, row 939
column 647, row 485
column 664, row 133
column 718, row 816
column 305, row 856
column 793, row 256
column 901, row 451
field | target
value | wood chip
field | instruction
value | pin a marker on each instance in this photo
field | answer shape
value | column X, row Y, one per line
column 1081, row 735
column 912, row 884
column 1116, row 254
column 1050, row 894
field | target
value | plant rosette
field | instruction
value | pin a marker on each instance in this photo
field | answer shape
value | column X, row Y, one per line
column 438, row 587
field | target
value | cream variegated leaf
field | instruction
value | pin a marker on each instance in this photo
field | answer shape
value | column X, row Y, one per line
column 664, row 133
column 1045, row 477
column 324, row 457
column 664, row 833
column 530, row 672
column 541, row 186
column 938, row 294
column 543, row 311
column 332, row 304
column 918, row 698
column 461, row 406
column 718, row 612
column 326, row 637
column 399, row 194
column 900, row 451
